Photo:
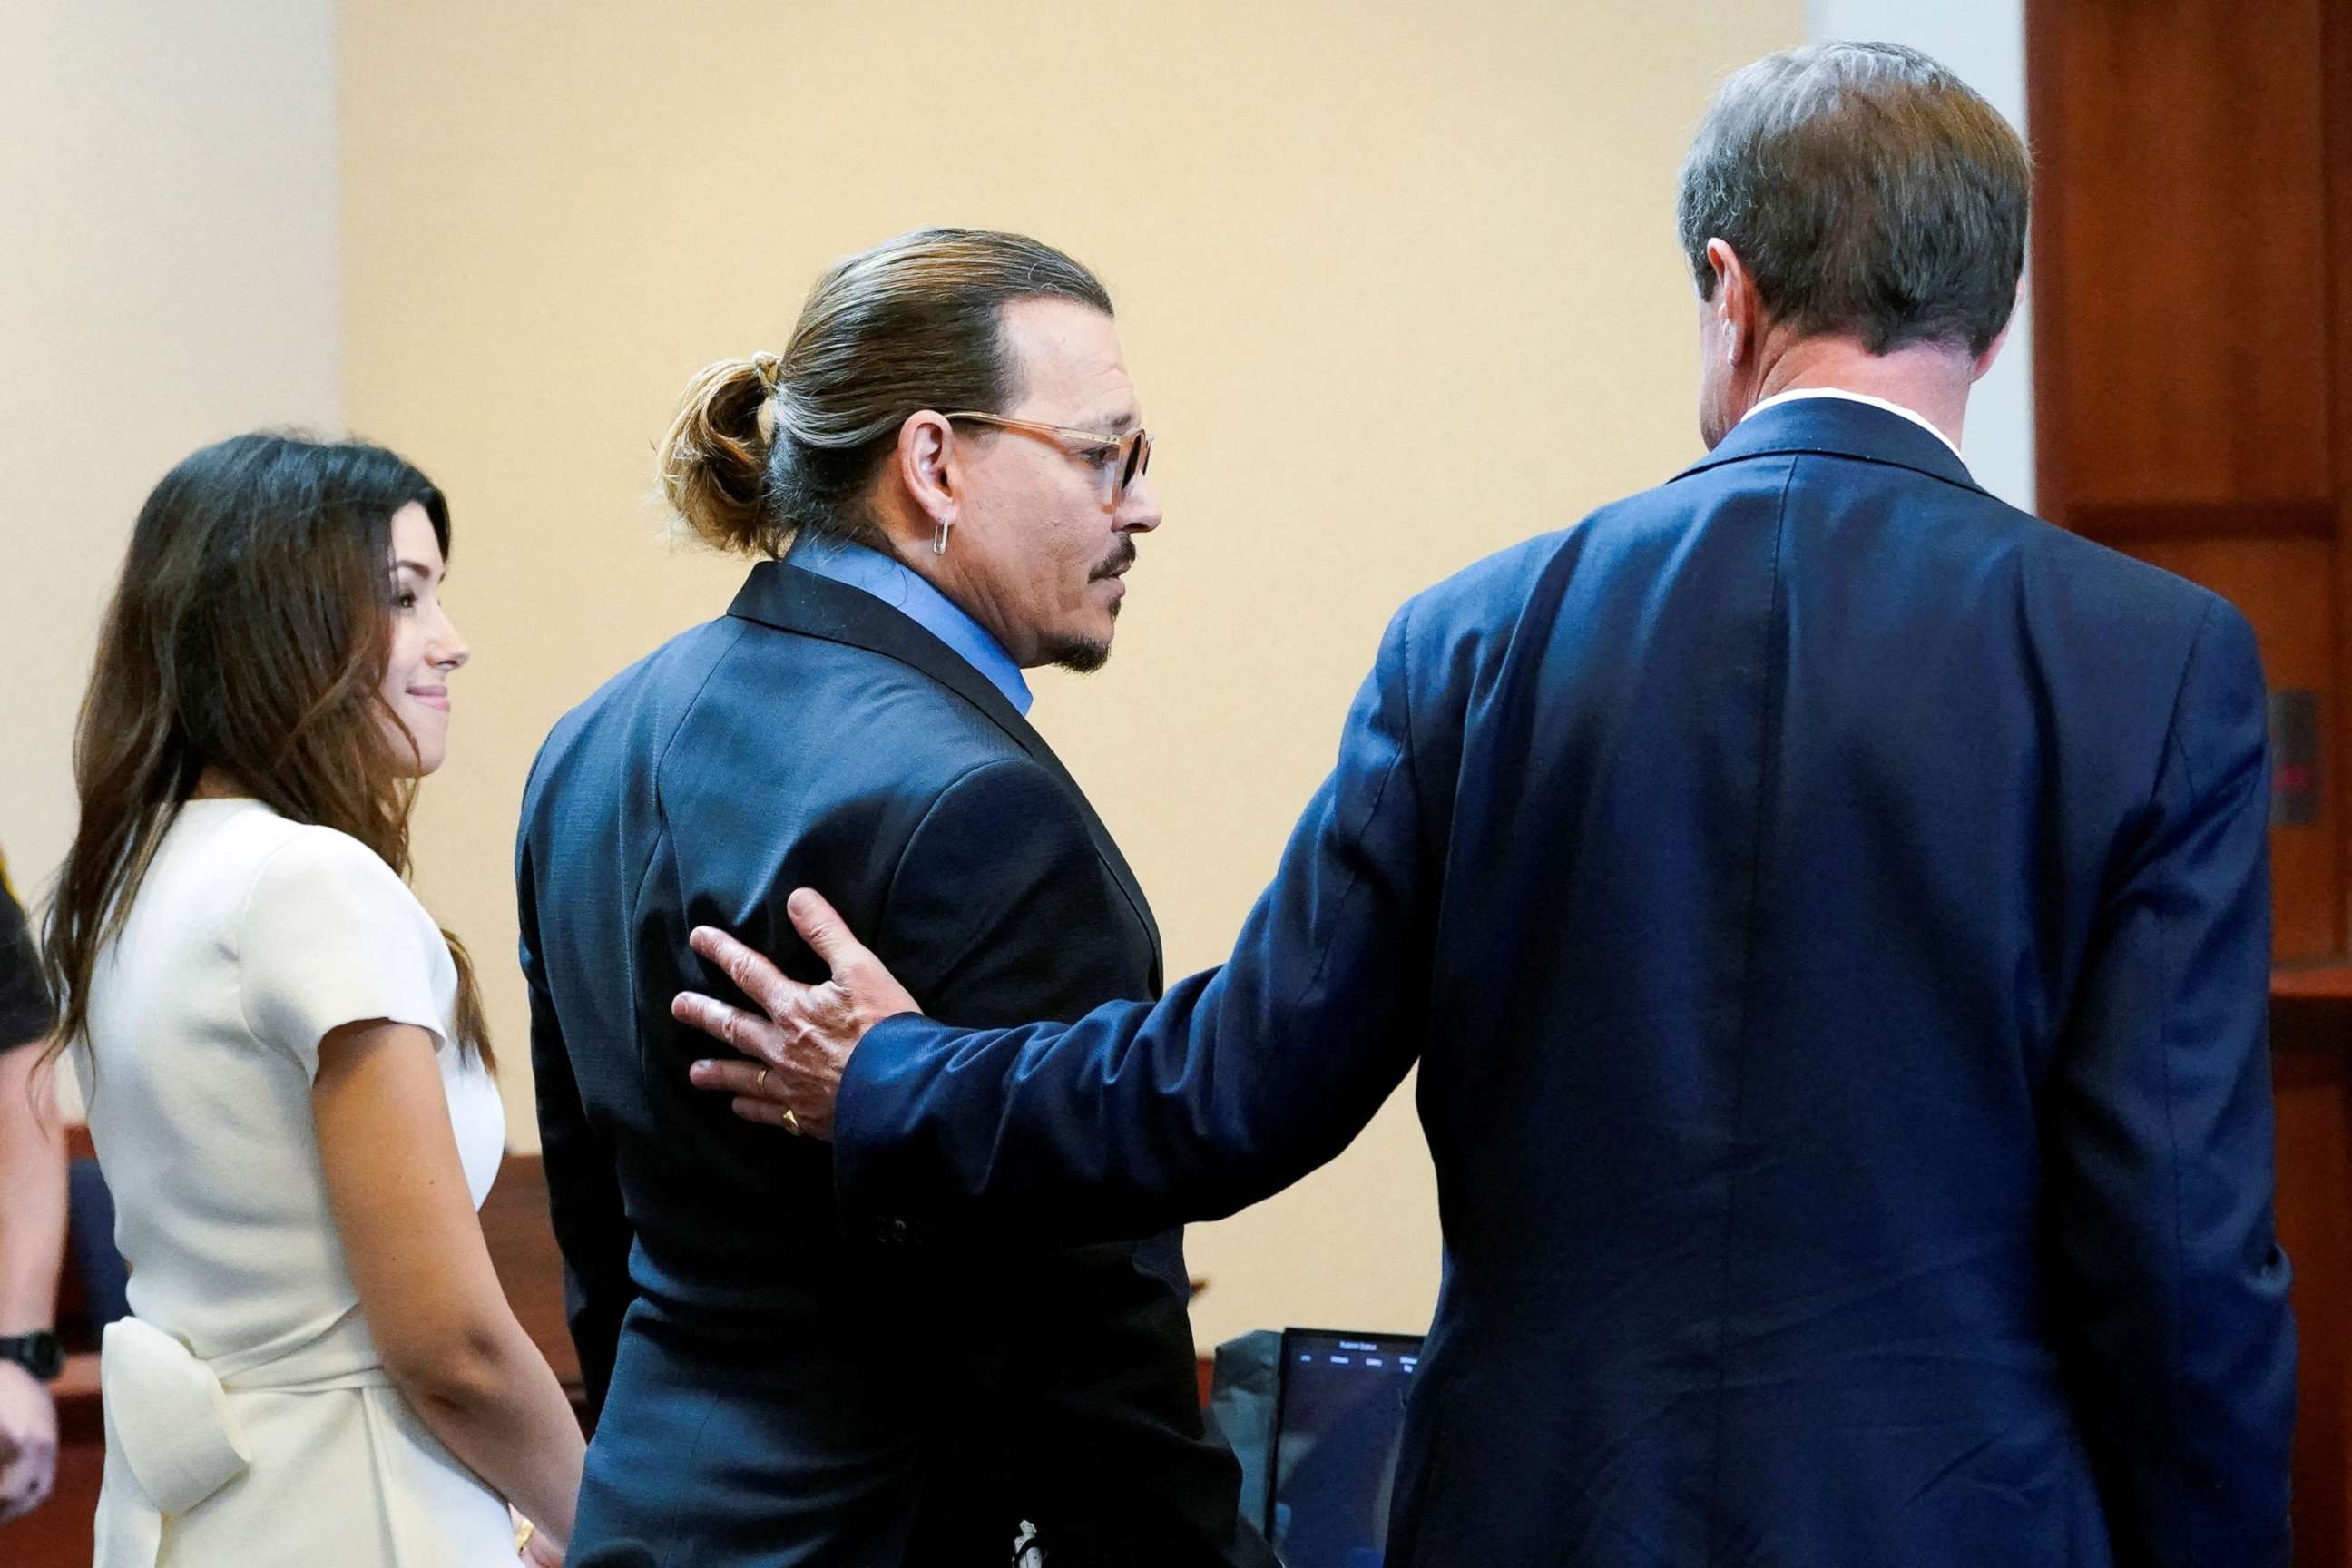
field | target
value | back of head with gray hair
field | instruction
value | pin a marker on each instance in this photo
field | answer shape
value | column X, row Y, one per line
column 1868, row 191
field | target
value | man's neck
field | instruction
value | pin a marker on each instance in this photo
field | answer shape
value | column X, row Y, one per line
column 1930, row 381
column 216, row 783
column 906, row 539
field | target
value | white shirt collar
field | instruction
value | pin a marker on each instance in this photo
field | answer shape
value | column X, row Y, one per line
column 1797, row 393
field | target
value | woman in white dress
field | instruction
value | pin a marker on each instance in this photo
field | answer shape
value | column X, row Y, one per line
column 289, row 1082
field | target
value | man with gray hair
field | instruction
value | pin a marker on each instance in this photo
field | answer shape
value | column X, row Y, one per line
column 1828, row 909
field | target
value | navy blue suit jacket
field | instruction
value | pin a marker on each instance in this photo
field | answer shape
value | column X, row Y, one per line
column 1828, row 909
column 781, row 1384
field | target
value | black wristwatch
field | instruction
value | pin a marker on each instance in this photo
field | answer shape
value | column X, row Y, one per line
column 37, row 1353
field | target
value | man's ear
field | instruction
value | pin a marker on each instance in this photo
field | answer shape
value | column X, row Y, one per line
column 927, row 468
column 1734, row 301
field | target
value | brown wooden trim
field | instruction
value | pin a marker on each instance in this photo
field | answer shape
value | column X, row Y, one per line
column 2110, row 522
column 2336, row 146
column 522, row 1239
column 2313, row 985
column 2310, row 1015
column 76, row 1391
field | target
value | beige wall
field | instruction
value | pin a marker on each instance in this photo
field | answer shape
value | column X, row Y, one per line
column 168, row 180
column 1398, row 284
column 168, row 201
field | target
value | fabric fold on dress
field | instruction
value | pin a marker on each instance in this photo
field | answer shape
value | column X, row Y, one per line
column 250, row 1422
column 171, row 1415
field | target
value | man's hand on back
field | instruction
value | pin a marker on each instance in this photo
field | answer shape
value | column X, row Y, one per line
column 800, row 1049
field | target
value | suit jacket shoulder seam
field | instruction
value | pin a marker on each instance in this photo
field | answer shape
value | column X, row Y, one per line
column 2170, row 965
column 898, row 864
column 685, row 711
column 1403, row 759
column 1404, row 699
column 2173, row 742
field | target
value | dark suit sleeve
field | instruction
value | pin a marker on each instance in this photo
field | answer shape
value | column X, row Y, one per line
column 582, row 1192
column 1235, row 1084
column 2171, row 1286
column 1001, row 907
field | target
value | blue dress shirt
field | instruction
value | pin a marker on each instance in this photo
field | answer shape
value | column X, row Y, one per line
column 904, row 590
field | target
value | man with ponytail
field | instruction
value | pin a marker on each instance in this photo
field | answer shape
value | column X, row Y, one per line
column 1828, row 911
column 942, row 479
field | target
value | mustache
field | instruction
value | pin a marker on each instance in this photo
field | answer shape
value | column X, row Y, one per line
column 1119, row 561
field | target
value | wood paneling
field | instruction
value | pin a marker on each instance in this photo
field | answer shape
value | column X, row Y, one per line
column 2180, row 250
column 2127, row 525
column 2336, row 319
column 2311, row 1041
column 2193, row 350
column 2193, row 386
column 522, row 1245
column 2313, row 1078
column 2287, row 588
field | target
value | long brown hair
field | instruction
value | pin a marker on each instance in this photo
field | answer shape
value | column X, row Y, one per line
column 249, row 633
column 770, row 447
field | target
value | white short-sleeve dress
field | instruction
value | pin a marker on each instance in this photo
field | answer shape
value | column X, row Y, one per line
column 249, row 1421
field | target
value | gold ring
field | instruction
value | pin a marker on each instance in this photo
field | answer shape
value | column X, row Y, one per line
column 759, row 1084
column 791, row 1121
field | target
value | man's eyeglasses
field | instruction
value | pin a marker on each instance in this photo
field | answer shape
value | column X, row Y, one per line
column 1128, row 455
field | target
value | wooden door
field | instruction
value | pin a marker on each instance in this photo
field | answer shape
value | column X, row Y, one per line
column 2193, row 392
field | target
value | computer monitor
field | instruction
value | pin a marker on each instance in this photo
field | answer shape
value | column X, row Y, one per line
column 1339, row 1420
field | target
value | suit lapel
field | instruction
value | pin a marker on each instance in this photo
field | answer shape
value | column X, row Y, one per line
column 781, row 596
